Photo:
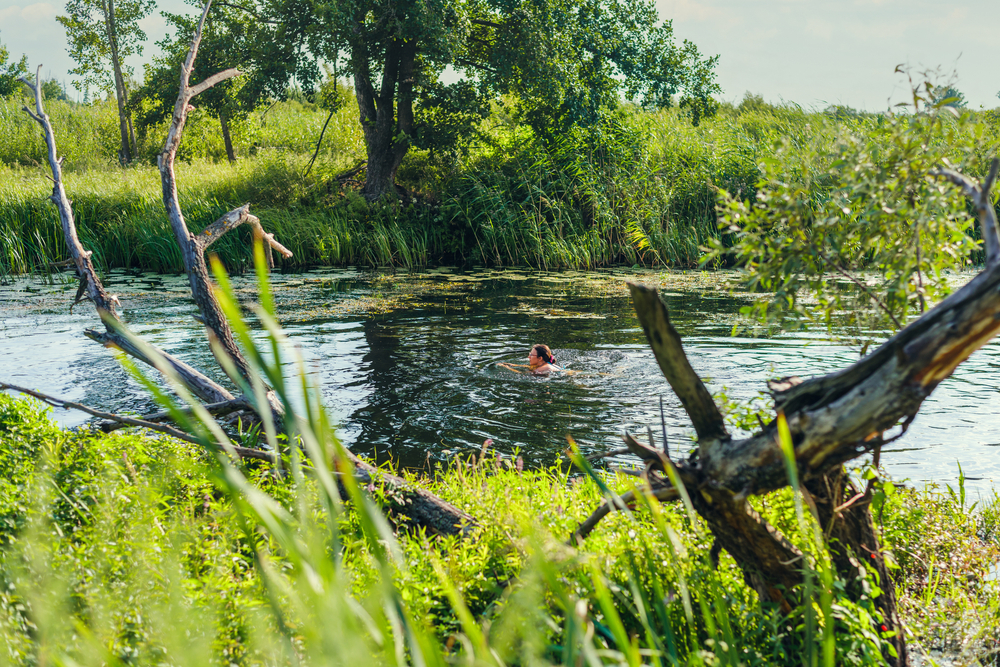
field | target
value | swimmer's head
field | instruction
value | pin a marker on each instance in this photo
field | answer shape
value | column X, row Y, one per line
column 541, row 354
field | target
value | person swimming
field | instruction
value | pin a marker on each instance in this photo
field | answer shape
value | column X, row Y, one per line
column 540, row 361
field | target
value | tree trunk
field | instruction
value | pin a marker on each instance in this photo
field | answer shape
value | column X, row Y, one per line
column 387, row 125
column 831, row 419
column 125, row 153
column 131, row 135
column 224, row 122
column 854, row 546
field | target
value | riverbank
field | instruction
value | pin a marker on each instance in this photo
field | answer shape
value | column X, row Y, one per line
column 640, row 189
column 114, row 547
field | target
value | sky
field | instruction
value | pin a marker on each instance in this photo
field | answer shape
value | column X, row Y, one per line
column 809, row 52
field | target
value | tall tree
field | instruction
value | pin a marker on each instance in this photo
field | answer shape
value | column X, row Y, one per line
column 104, row 33
column 567, row 61
column 265, row 45
column 11, row 72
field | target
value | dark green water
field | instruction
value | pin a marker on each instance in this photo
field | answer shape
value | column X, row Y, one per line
column 408, row 364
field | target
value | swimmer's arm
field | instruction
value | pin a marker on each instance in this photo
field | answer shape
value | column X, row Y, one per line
column 512, row 367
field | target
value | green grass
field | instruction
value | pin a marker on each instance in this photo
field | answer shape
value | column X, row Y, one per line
column 107, row 539
column 130, row 549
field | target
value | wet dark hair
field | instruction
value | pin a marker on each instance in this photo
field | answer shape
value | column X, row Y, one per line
column 545, row 353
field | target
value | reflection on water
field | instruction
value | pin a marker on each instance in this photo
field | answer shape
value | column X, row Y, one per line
column 407, row 364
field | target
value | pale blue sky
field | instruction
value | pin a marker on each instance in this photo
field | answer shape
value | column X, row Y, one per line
column 811, row 52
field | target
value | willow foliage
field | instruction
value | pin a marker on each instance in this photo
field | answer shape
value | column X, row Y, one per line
column 860, row 224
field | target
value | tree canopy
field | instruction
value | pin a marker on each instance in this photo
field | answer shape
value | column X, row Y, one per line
column 265, row 42
column 566, row 62
column 103, row 33
column 864, row 226
column 11, row 72
column 91, row 44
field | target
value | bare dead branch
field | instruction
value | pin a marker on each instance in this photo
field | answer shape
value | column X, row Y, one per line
column 841, row 416
column 647, row 454
column 613, row 452
column 81, row 257
column 191, row 251
column 670, row 356
column 346, row 176
column 243, row 452
column 213, row 80
column 201, row 385
column 232, row 220
column 663, row 425
column 625, row 501
column 216, row 409
column 90, row 284
column 319, row 142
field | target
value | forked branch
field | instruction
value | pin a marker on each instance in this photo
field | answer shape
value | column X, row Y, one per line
column 192, row 247
column 234, row 219
column 90, row 283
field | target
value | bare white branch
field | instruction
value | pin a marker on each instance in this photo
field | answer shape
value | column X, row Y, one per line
column 243, row 452
column 213, row 80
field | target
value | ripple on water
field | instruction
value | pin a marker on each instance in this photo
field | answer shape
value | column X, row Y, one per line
column 407, row 364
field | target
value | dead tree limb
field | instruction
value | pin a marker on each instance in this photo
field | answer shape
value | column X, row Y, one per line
column 216, row 409
column 242, row 452
column 980, row 197
column 234, row 219
column 192, row 252
column 663, row 493
column 90, row 283
column 833, row 419
column 669, row 353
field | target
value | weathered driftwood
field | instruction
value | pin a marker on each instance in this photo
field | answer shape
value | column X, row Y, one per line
column 832, row 419
column 242, row 452
column 193, row 251
column 216, row 409
column 418, row 505
column 90, row 284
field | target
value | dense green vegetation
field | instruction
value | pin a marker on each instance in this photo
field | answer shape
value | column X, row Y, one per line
column 640, row 188
column 89, row 521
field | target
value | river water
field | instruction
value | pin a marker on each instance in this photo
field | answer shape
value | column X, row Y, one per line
column 407, row 363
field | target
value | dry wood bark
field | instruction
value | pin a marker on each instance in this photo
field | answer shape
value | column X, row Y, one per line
column 90, row 285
